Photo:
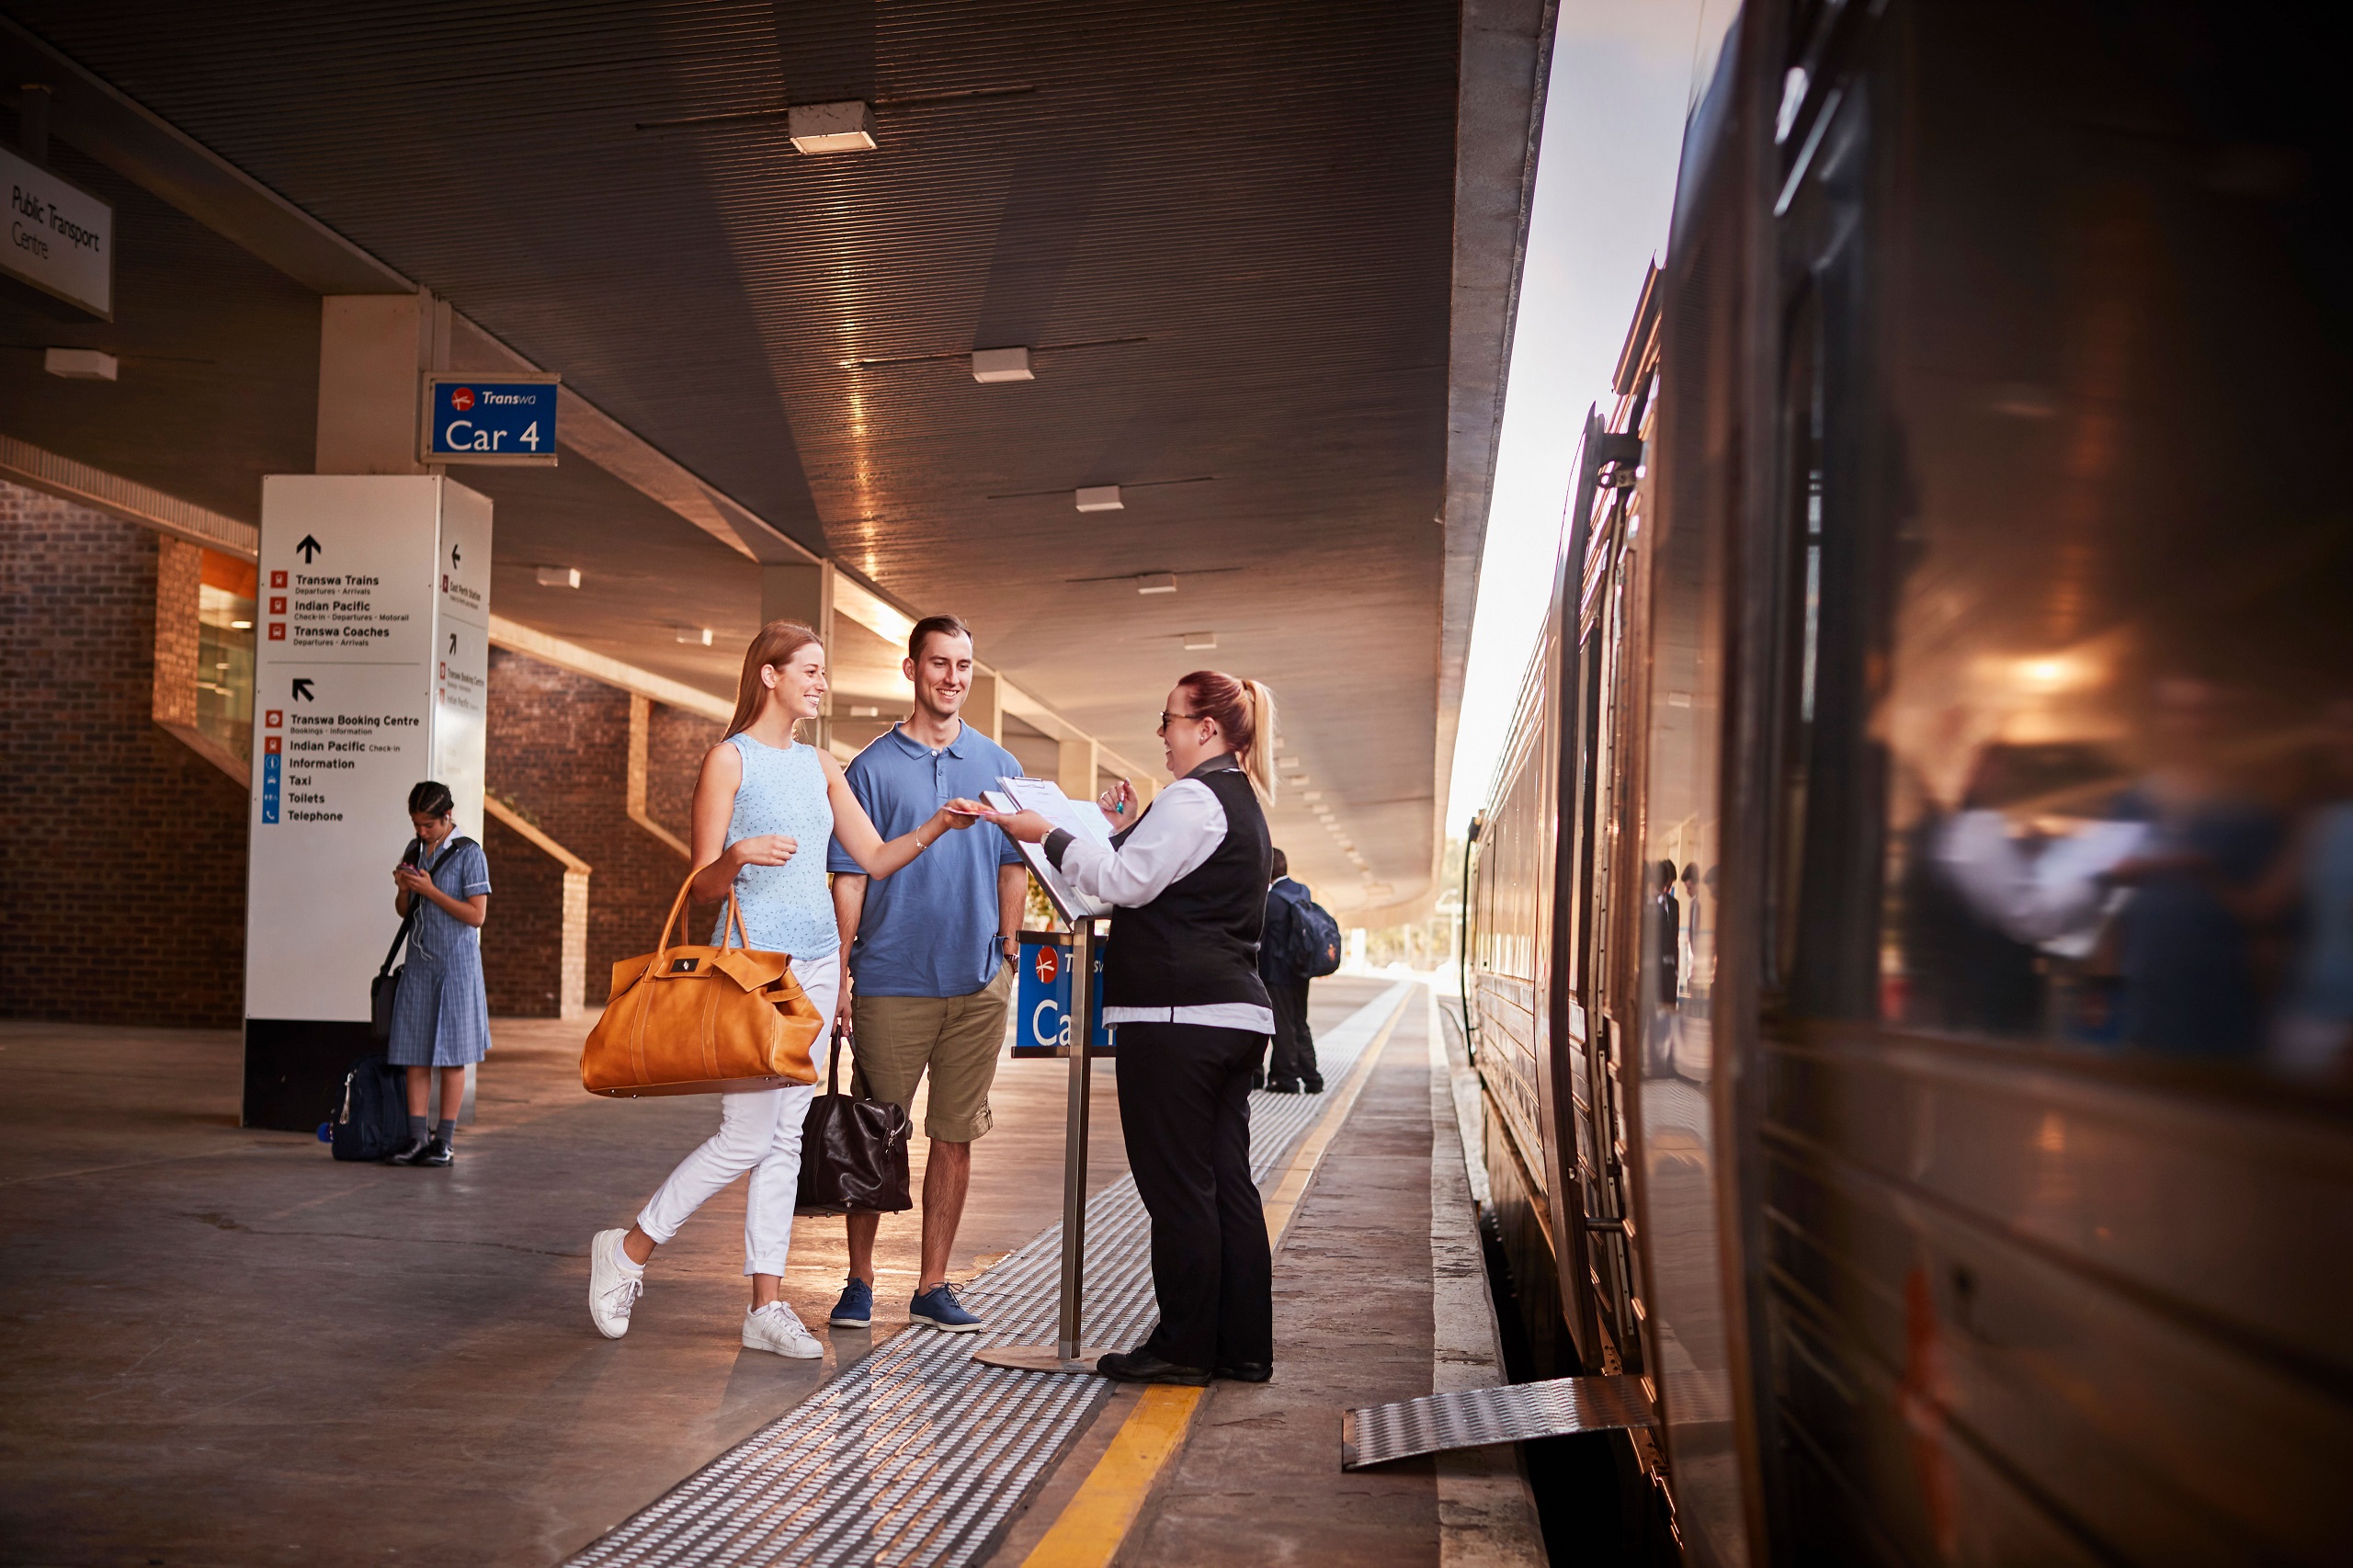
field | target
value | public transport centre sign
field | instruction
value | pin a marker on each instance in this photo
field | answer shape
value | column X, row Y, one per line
column 503, row 419
column 60, row 238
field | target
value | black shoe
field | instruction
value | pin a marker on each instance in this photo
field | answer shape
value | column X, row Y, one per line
column 437, row 1153
column 1282, row 1085
column 1248, row 1372
column 1312, row 1084
column 411, row 1153
column 1143, row 1367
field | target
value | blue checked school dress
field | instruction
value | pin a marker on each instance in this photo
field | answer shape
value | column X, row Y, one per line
column 441, row 1013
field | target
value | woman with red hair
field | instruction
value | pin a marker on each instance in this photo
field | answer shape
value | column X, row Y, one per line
column 1180, row 982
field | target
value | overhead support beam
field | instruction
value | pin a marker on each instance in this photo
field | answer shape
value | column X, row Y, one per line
column 38, row 468
column 372, row 350
column 1075, row 767
column 517, row 638
column 141, row 148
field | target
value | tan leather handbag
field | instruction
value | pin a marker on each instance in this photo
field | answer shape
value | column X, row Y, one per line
column 689, row 1020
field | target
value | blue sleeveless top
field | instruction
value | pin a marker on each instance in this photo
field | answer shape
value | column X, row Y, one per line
column 786, row 908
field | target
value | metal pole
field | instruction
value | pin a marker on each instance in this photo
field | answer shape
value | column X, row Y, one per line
column 1082, row 1009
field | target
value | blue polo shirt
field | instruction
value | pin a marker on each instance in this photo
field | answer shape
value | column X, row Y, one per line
column 931, row 928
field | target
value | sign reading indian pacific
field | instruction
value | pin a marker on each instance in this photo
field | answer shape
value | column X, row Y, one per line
column 60, row 238
column 505, row 419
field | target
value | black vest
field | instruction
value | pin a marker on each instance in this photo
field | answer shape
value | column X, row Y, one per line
column 1198, row 942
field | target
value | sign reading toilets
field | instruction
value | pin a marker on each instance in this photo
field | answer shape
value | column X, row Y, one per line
column 371, row 674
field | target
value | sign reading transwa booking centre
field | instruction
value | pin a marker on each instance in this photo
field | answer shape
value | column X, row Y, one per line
column 371, row 674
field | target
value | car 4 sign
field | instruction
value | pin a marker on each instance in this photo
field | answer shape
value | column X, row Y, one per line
column 503, row 419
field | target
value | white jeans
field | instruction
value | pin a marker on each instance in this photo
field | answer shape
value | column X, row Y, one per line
column 759, row 1131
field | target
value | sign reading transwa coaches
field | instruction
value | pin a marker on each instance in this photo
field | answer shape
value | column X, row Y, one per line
column 510, row 420
column 60, row 238
column 371, row 674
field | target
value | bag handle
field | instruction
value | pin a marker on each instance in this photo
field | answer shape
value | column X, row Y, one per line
column 734, row 924
column 834, row 1061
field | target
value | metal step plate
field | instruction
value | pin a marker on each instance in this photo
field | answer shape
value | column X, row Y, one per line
column 1474, row 1417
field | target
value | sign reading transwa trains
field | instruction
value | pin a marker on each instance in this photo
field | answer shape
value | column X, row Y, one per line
column 60, row 238
column 510, row 420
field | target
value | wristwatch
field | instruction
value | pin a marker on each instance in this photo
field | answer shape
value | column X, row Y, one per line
column 1009, row 946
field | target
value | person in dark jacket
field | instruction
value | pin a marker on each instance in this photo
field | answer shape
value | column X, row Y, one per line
column 1293, row 1069
column 1180, row 984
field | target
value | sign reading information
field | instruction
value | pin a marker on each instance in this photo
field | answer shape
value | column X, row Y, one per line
column 60, row 238
column 468, row 420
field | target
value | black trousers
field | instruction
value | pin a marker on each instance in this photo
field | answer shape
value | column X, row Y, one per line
column 1294, row 1053
column 1185, row 1112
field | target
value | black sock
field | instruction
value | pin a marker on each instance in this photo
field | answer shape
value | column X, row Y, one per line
column 447, row 1133
column 416, row 1129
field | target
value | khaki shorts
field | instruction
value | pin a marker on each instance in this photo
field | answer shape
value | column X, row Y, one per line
column 958, row 1037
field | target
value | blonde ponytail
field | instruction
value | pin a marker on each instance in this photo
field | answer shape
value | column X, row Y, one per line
column 1258, row 757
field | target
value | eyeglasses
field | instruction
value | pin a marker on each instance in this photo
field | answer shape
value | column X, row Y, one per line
column 1166, row 716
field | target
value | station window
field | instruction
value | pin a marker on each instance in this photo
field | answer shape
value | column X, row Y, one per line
column 224, row 660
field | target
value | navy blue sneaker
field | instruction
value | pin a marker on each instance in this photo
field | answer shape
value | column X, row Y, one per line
column 855, row 1308
column 939, row 1308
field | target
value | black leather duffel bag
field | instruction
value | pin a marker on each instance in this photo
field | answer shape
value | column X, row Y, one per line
column 853, row 1151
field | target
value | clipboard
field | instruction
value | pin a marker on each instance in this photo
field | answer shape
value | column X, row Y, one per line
column 1046, row 798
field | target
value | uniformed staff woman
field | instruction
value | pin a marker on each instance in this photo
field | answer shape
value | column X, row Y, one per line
column 441, row 1014
column 1181, row 981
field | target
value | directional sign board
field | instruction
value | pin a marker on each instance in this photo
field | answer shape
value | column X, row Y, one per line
column 60, row 238
column 507, row 419
column 371, row 676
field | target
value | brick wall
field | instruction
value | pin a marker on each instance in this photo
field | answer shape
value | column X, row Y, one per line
column 122, row 898
column 559, row 753
column 522, row 942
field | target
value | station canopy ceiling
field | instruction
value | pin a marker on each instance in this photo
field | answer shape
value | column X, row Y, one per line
column 1226, row 233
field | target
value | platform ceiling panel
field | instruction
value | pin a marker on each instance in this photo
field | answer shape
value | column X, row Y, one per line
column 1223, row 229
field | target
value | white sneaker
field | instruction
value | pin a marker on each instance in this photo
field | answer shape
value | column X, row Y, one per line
column 775, row 1327
column 611, row 1291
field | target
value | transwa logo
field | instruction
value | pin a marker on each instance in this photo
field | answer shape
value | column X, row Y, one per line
column 1046, row 966
column 463, row 399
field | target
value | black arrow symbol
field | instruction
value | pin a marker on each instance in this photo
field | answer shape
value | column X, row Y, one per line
column 454, row 553
column 303, row 689
column 309, row 549
column 453, row 643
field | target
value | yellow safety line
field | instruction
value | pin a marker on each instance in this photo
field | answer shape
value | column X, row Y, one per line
column 1095, row 1523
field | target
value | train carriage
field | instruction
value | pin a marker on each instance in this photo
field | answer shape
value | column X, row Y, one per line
column 1908, row 958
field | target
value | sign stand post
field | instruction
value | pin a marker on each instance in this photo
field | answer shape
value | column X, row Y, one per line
column 1069, row 1353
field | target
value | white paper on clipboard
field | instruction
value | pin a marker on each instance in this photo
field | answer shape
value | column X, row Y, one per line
column 1046, row 798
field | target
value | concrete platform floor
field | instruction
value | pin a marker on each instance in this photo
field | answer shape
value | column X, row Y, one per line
column 222, row 1347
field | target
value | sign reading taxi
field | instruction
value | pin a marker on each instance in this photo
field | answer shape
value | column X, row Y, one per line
column 505, row 419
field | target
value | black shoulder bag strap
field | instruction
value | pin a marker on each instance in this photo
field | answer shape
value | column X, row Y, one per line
column 410, row 918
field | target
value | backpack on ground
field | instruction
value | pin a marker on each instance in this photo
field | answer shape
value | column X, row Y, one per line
column 1315, row 940
column 372, row 1120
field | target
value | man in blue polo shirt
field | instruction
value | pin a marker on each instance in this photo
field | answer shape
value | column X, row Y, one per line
column 929, row 986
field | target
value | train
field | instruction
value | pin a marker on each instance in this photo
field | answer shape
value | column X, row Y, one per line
column 1908, row 943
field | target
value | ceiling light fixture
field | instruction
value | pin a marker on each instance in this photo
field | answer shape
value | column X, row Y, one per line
column 698, row 635
column 860, row 710
column 1156, row 583
column 558, row 576
column 1101, row 498
column 1001, row 364
column 831, row 128
column 1200, row 641
column 81, row 364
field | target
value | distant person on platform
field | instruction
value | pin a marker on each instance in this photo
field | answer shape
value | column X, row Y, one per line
column 441, row 1011
column 1180, row 983
column 1291, row 1069
column 931, row 983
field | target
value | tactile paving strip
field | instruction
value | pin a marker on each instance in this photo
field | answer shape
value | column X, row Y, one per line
column 1471, row 1419
column 918, row 1454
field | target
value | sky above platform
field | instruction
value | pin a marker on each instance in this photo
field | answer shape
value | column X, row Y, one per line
column 1625, row 75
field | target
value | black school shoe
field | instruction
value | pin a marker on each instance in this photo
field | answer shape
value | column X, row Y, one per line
column 1312, row 1084
column 1248, row 1372
column 1282, row 1085
column 424, row 1151
column 1143, row 1367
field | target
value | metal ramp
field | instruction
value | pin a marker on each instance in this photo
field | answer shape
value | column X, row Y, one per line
column 1471, row 1419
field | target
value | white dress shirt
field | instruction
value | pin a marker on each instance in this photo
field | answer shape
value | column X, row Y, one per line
column 1181, row 830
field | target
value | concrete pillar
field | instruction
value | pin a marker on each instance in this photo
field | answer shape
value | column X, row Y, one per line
column 985, row 708
column 804, row 590
column 373, row 352
column 1075, row 768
